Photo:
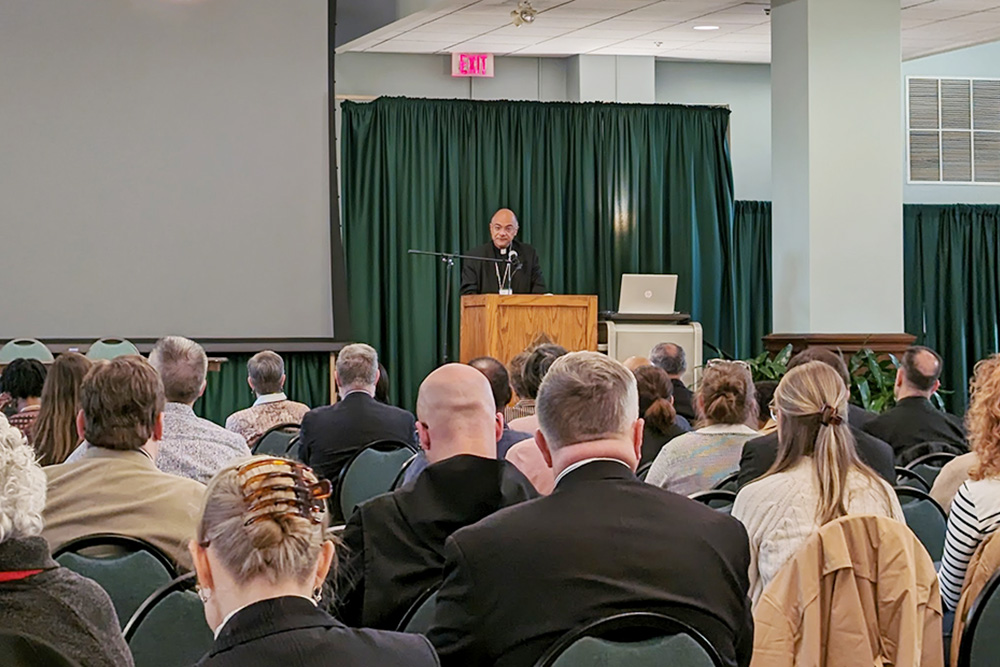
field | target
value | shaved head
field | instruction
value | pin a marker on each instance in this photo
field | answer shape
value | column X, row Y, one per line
column 456, row 414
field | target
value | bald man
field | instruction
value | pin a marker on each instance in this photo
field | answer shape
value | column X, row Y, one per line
column 914, row 420
column 521, row 275
column 394, row 543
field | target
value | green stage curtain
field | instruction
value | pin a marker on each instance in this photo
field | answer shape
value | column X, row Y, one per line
column 307, row 380
column 952, row 287
column 752, row 268
column 600, row 190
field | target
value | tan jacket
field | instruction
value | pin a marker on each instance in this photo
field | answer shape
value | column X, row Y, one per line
column 110, row 491
column 862, row 592
column 983, row 564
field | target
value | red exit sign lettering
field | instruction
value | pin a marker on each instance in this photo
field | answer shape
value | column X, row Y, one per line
column 472, row 64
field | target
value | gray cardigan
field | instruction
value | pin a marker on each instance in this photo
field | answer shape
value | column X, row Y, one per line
column 70, row 612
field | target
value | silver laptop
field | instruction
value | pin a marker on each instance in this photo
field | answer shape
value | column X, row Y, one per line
column 647, row 294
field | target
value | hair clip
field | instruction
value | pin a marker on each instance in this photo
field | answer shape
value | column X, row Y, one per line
column 283, row 488
column 830, row 417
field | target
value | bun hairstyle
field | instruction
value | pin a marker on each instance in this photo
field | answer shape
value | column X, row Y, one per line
column 727, row 393
column 266, row 517
column 655, row 392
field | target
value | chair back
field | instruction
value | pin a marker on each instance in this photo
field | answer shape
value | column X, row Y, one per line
column 643, row 470
column 925, row 518
column 127, row 568
column 729, row 483
column 419, row 618
column 929, row 466
column 293, row 448
column 914, row 452
column 276, row 440
column 717, row 500
column 911, row 480
column 371, row 472
column 633, row 639
column 169, row 628
column 25, row 348
column 109, row 348
column 398, row 482
column 27, row 651
column 980, row 645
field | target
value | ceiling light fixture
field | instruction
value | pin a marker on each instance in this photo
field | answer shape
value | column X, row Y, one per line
column 524, row 13
column 706, row 27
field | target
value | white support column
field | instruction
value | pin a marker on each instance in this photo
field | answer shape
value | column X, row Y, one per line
column 837, row 137
column 612, row 79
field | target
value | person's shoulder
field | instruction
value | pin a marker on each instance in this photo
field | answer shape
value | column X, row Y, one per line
column 766, row 441
column 239, row 417
column 384, row 647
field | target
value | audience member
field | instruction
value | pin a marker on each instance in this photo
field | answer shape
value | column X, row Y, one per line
column 699, row 460
column 656, row 405
column 635, row 363
column 37, row 597
column 496, row 374
column 759, row 454
column 394, row 544
column 953, row 474
column 525, row 455
column 524, row 407
column 670, row 357
column 266, row 376
column 764, row 393
column 816, row 478
column 115, row 486
column 914, row 420
column 382, row 386
column 55, row 433
column 975, row 510
column 535, row 367
column 332, row 434
column 23, row 380
column 191, row 447
column 262, row 555
column 519, row 579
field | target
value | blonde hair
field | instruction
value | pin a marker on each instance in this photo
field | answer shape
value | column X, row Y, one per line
column 55, row 435
column 22, row 486
column 279, row 547
column 812, row 407
column 983, row 418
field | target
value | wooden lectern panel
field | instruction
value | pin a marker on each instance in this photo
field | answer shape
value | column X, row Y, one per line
column 502, row 326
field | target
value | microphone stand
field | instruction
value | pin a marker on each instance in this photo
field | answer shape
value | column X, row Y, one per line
column 449, row 263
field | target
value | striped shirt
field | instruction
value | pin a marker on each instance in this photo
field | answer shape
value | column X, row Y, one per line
column 975, row 514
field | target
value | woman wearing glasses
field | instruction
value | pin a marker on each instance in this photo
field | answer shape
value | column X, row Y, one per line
column 699, row 460
column 816, row 478
column 262, row 554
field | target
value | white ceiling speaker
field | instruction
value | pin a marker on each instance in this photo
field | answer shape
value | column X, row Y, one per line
column 524, row 13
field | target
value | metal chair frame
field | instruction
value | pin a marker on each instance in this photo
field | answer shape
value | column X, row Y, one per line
column 974, row 618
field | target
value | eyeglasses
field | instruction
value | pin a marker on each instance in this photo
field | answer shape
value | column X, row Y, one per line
column 510, row 229
column 714, row 363
column 773, row 409
column 262, row 490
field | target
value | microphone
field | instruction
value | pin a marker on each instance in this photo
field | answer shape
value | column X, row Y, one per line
column 513, row 259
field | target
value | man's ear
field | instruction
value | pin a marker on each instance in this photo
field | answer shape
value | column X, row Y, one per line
column 157, row 427
column 637, row 431
column 543, row 447
column 81, row 425
column 937, row 385
column 424, row 434
column 282, row 383
column 250, row 382
column 900, row 374
column 204, row 383
column 499, row 426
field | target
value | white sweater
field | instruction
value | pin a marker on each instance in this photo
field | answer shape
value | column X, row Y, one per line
column 779, row 512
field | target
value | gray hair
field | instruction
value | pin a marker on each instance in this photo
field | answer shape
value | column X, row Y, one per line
column 22, row 486
column 357, row 366
column 586, row 396
column 670, row 357
column 266, row 370
column 182, row 365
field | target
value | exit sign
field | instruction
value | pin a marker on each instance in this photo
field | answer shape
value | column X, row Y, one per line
column 472, row 64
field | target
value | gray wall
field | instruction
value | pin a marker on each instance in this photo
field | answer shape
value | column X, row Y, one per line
column 164, row 168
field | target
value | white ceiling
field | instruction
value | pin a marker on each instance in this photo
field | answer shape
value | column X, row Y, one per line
column 661, row 28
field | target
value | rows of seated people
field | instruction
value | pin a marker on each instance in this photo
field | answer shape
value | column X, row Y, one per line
column 522, row 510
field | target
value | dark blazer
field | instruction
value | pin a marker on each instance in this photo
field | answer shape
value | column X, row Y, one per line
column 760, row 453
column 653, row 440
column 601, row 544
column 292, row 631
column 509, row 438
column 858, row 416
column 684, row 401
column 394, row 543
column 481, row 277
column 913, row 421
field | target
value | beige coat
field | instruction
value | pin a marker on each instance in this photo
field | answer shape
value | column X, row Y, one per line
column 983, row 564
column 862, row 592
column 110, row 491
column 952, row 475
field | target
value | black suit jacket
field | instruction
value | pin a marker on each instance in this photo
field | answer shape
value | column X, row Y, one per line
column 760, row 453
column 913, row 421
column 481, row 277
column 684, row 401
column 394, row 544
column 332, row 434
column 292, row 631
column 601, row 544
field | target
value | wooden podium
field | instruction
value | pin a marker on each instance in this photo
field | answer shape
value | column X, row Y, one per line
column 502, row 326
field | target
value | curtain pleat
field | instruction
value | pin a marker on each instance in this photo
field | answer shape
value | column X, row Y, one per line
column 752, row 268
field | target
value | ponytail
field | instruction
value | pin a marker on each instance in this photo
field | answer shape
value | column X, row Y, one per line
column 660, row 415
